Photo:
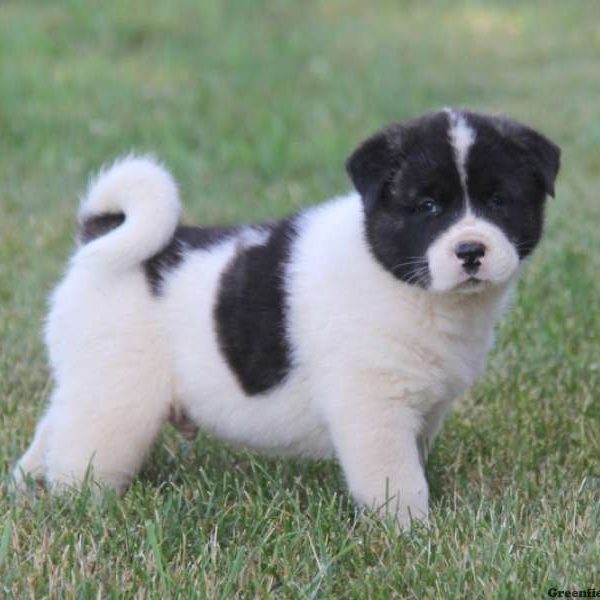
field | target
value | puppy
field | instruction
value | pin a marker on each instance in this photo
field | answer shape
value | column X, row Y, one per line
column 345, row 330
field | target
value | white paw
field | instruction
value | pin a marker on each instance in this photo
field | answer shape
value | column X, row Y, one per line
column 23, row 480
column 406, row 509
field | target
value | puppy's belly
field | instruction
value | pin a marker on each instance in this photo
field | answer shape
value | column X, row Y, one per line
column 281, row 421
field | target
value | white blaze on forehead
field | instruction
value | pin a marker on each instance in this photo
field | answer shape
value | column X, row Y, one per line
column 461, row 137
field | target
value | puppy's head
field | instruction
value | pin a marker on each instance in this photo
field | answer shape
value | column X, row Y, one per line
column 454, row 200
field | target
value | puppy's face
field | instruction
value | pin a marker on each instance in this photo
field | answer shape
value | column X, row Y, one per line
column 454, row 200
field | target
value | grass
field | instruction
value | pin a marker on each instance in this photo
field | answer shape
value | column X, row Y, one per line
column 254, row 106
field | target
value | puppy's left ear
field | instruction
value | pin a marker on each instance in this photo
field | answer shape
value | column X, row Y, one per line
column 546, row 157
column 543, row 153
column 370, row 165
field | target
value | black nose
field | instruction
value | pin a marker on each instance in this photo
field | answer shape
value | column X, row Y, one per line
column 470, row 253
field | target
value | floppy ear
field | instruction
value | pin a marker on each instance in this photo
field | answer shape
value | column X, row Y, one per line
column 369, row 166
column 546, row 157
column 544, row 153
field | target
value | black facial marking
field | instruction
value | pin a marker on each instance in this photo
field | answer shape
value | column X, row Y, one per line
column 171, row 256
column 250, row 312
column 97, row 226
column 538, row 153
column 510, row 170
column 410, row 186
column 411, row 191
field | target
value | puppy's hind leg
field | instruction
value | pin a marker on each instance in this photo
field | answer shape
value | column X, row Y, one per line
column 103, row 332
column 105, row 424
column 33, row 463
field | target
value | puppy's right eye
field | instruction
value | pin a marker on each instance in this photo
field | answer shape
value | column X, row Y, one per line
column 428, row 207
column 497, row 201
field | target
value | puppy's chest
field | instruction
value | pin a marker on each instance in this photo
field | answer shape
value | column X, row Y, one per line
column 430, row 359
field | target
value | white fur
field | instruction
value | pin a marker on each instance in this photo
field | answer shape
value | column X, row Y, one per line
column 498, row 266
column 461, row 137
column 147, row 194
column 376, row 362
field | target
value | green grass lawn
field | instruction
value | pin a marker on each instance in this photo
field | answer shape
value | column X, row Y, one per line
column 255, row 106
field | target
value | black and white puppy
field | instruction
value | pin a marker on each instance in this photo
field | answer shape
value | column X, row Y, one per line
column 345, row 330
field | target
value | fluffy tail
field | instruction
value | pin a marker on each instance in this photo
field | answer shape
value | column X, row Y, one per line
column 128, row 214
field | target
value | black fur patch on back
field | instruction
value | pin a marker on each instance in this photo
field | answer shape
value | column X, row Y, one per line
column 250, row 312
column 172, row 254
column 99, row 225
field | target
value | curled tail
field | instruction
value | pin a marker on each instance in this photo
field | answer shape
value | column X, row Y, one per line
column 128, row 214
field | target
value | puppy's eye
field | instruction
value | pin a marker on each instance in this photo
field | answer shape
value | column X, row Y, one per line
column 497, row 201
column 428, row 207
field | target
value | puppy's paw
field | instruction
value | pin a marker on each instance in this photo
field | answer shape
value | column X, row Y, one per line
column 402, row 510
column 22, row 480
column 408, row 516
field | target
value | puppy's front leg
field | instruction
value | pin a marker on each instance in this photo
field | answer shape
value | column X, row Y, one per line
column 376, row 444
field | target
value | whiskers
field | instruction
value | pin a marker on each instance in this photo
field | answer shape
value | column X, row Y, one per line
column 418, row 272
column 526, row 245
column 411, row 260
